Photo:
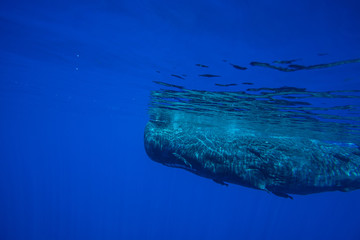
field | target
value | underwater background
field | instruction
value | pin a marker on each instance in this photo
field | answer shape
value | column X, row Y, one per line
column 75, row 84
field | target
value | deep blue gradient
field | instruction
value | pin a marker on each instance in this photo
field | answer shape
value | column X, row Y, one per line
column 75, row 79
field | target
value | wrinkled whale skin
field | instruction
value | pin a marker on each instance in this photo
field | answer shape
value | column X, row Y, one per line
column 278, row 164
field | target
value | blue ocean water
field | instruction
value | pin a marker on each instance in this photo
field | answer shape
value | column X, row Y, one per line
column 75, row 83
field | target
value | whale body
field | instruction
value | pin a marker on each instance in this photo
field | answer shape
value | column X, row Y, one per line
column 229, row 153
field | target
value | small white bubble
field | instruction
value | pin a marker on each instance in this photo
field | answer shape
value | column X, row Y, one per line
column 77, row 55
column 76, row 68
